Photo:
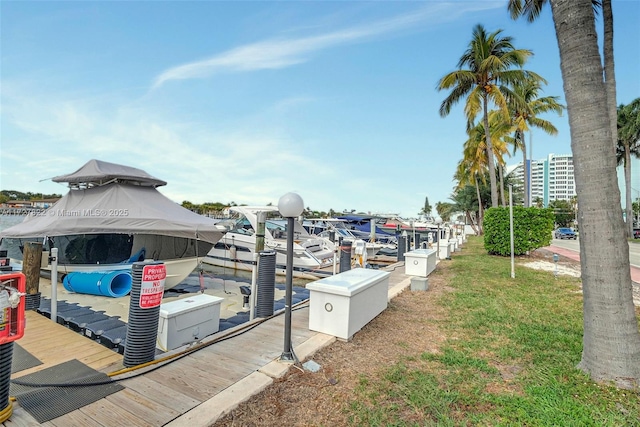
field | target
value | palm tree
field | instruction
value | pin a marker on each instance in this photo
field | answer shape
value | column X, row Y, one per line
column 531, row 10
column 525, row 108
column 628, row 126
column 474, row 165
column 489, row 59
column 611, row 340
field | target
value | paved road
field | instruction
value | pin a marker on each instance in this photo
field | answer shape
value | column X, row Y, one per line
column 571, row 249
column 574, row 245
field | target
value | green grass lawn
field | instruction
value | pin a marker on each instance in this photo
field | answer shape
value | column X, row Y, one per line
column 509, row 360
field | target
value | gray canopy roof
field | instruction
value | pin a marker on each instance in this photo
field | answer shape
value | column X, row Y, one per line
column 98, row 172
column 116, row 208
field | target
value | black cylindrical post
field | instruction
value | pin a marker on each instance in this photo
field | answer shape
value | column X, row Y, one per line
column 402, row 247
column 147, row 289
column 266, row 283
column 287, row 354
column 345, row 255
column 6, row 357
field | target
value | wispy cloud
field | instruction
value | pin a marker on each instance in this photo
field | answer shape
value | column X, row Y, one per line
column 244, row 166
column 284, row 52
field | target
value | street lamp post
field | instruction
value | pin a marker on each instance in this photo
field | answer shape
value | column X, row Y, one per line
column 290, row 206
column 438, row 223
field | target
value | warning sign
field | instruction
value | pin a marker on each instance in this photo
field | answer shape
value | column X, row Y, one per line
column 152, row 286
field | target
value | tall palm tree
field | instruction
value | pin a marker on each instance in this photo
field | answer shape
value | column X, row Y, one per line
column 531, row 10
column 611, row 340
column 628, row 125
column 525, row 108
column 489, row 61
column 475, row 152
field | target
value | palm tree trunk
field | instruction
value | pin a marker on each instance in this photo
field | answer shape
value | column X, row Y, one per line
column 627, row 183
column 492, row 167
column 609, row 70
column 480, row 214
column 611, row 340
column 501, row 175
column 527, row 172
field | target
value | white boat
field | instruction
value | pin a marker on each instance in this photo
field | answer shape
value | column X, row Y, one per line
column 112, row 216
column 312, row 256
column 325, row 227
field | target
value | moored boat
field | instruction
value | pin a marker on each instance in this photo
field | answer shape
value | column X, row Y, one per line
column 112, row 216
column 312, row 256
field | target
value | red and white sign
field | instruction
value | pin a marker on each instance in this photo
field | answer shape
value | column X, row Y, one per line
column 152, row 286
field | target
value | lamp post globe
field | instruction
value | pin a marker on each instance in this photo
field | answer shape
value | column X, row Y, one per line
column 290, row 206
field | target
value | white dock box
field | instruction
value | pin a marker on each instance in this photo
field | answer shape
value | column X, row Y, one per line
column 444, row 250
column 341, row 305
column 420, row 262
column 186, row 320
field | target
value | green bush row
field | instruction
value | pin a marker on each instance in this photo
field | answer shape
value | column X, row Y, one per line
column 532, row 229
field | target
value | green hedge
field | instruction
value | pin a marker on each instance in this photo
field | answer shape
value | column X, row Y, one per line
column 532, row 228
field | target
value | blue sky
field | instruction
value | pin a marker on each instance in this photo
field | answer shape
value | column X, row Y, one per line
column 246, row 101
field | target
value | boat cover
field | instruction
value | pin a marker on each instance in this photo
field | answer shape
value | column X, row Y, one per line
column 116, row 208
column 98, row 172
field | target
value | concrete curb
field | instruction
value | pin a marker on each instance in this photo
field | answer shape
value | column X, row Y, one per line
column 222, row 403
column 398, row 288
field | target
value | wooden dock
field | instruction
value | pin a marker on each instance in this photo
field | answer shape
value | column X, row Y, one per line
column 163, row 395
column 53, row 344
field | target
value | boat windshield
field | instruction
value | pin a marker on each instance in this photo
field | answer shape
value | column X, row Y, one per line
column 242, row 226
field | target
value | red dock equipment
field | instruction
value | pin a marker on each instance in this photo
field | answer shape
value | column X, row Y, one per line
column 12, row 307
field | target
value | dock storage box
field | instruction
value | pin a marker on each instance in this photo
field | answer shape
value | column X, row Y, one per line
column 444, row 250
column 420, row 262
column 341, row 305
column 187, row 320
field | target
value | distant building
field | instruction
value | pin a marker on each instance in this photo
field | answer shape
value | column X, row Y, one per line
column 635, row 181
column 30, row 204
column 549, row 179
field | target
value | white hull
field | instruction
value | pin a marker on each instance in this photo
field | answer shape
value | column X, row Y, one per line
column 312, row 256
column 177, row 269
column 281, row 271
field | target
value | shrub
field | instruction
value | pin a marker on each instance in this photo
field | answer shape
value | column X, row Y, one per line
column 532, row 228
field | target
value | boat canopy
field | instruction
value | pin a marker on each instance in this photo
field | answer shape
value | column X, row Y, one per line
column 122, row 208
column 98, row 172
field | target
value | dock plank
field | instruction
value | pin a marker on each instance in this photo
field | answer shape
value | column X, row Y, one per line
column 188, row 380
column 214, row 375
column 235, row 367
column 76, row 419
column 111, row 415
column 161, row 393
column 155, row 413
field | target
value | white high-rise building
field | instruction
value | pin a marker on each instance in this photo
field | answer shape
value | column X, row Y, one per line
column 550, row 179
